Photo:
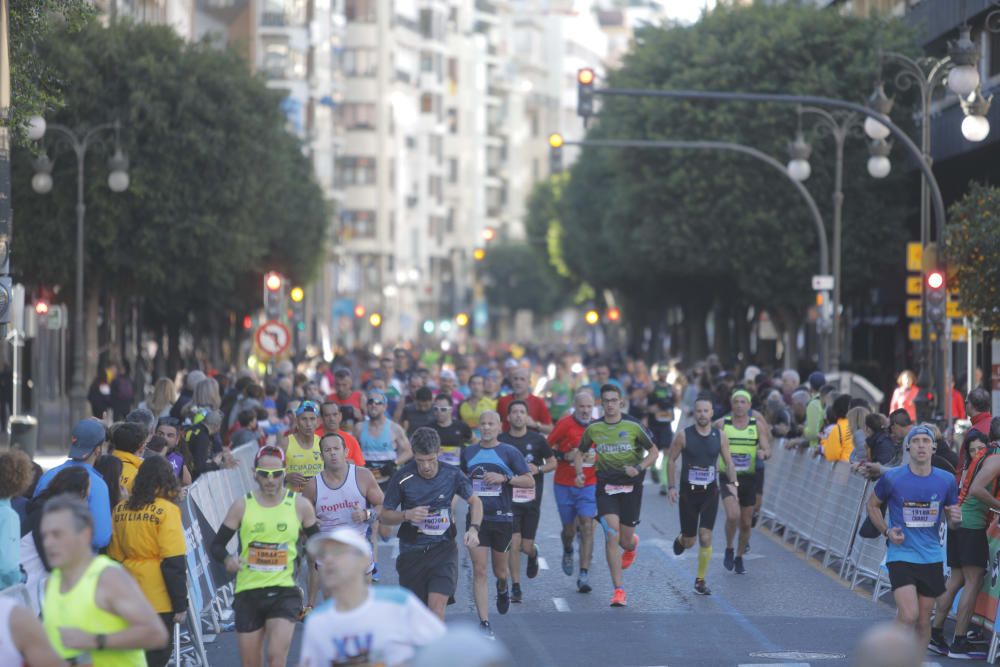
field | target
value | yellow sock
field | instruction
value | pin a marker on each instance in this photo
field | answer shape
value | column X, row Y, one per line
column 704, row 555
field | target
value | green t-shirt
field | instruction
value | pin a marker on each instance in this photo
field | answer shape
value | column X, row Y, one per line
column 618, row 445
column 560, row 398
column 974, row 513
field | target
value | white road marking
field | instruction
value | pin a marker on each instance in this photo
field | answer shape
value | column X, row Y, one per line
column 561, row 604
column 542, row 564
column 771, row 664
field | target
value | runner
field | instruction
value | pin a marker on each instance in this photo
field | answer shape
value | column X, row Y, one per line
column 625, row 451
column 915, row 494
column 748, row 441
column 559, row 390
column 496, row 470
column 454, row 435
column 345, row 395
column 422, row 491
column 22, row 638
column 267, row 603
column 477, row 403
column 383, row 442
column 332, row 417
column 344, row 495
column 95, row 613
column 527, row 502
column 360, row 625
column 575, row 494
column 661, row 425
column 698, row 490
column 539, row 418
column 302, row 455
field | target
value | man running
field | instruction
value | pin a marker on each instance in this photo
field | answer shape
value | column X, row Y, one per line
column 625, row 451
column 267, row 603
column 383, row 442
column 527, row 502
column 748, row 440
column 302, row 455
column 496, row 470
column 95, row 613
column 454, row 435
column 698, row 490
column 477, row 403
column 344, row 495
column 539, row 418
column 915, row 494
column 419, row 497
column 358, row 624
column 575, row 494
column 332, row 418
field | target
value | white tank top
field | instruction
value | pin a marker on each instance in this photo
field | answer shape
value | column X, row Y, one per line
column 9, row 655
column 334, row 506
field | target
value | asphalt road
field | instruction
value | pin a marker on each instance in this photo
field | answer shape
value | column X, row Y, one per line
column 785, row 610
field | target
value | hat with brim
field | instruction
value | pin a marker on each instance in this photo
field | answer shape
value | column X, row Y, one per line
column 341, row 535
column 88, row 435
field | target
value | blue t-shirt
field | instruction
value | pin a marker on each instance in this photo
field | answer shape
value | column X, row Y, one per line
column 497, row 498
column 97, row 500
column 407, row 489
column 916, row 504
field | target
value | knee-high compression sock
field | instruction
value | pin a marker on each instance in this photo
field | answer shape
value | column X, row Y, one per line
column 704, row 556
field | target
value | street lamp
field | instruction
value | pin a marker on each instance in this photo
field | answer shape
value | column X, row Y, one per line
column 879, row 165
column 975, row 126
column 41, row 182
column 798, row 165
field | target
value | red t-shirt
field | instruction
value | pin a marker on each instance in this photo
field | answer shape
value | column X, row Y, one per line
column 354, row 454
column 564, row 438
column 354, row 401
column 537, row 410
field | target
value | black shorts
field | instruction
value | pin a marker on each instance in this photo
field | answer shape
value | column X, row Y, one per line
column 759, row 475
column 526, row 517
column 625, row 505
column 253, row 608
column 927, row 577
column 968, row 547
column 698, row 509
column 496, row 535
column 429, row 570
column 747, row 491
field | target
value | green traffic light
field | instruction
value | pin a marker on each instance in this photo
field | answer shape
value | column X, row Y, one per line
column 301, row 326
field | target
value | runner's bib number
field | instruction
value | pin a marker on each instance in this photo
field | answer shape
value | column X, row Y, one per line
column 615, row 489
column 524, row 495
column 450, row 455
column 699, row 476
column 267, row 556
column 741, row 462
column 435, row 524
column 921, row 514
column 482, row 489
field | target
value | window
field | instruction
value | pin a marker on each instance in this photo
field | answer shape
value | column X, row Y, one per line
column 357, row 115
column 453, row 120
column 426, row 103
column 435, row 146
column 453, row 171
column 426, row 61
column 360, row 11
column 427, row 23
column 357, row 224
column 434, row 188
column 359, row 62
column 453, row 70
column 355, row 171
column 449, row 222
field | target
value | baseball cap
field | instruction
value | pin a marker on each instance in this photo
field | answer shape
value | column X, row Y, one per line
column 751, row 373
column 307, row 406
column 919, row 429
column 816, row 380
column 448, row 375
column 269, row 450
column 343, row 536
column 88, row 434
column 511, row 363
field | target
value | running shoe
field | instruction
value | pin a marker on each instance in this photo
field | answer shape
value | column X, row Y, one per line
column 484, row 627
column 376, row 576
column 533, row 564
column 701, row 588
column 727, row 562
column 678, row 546
column 739, row 565
column 567, row 563
column 663, row 490
column 746, row 549
column 583, row 582
column 618, row 599
column 977, row 637
column 628, row 556
column 503, row 597
column 515, row 593
column 961, row 649
column 938, row 644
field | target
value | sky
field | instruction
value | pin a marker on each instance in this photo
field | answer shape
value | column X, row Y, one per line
column 686, row 10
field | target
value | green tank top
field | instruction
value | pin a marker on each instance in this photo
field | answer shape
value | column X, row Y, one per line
column 268, row 539
column 77, row 608
column 742, row 446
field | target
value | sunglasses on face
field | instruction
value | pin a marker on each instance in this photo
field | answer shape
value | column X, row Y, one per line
column 267, row 473
column 372, row 401
column 442, row 409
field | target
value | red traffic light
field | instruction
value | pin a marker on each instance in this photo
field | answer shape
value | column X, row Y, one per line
column 614, row 314
column 359, row 311
column 247, row 322
column 272, row 281
column 935, row 280
column 42, row 308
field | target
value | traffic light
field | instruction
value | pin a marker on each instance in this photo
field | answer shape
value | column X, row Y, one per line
column 555, row 153
column 479, row 254
column 592, row 317
column 274, row 295
column 585, row 93
column 298, row 314
column 375, row 319
column 936, row 290
column 489, row 234
column 614, row 314
column 247, row 322
column 462, row 320
column 359, row 311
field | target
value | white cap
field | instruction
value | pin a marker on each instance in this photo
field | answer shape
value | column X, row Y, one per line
column 511, row 363
column 342, row 535
column 751, row 373
column 448, row 375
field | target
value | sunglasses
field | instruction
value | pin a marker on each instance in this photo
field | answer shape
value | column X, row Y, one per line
column 277, row 473
column 441, row 408
column 372, row 401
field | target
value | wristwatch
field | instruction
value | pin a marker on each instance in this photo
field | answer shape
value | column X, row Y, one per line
column 101, row 641
column 474, row 525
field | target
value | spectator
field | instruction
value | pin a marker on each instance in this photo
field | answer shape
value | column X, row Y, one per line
column 178, row 452
column 164, row 396
column 904, row 395
column 900, row 424
column 99, row 394
column 148, row 541
column 944, row 458
column 839, row 443
column 87, row 445
column 856, row 423
column 978, row 404
column 15, row 475
column 20, row 502
column 199, row 441
column 879, row 444
column 246, row 432
column 814, row 410
column 187, row 393
column 122, row 391
column 110, row 468
column 129, row 441
column 790, row 381
column 205, row 397
column 144, row 417
column 252, row 398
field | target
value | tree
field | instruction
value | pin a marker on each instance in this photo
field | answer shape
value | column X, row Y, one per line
column 684, row 228
column 518, row 277
column 973, row 253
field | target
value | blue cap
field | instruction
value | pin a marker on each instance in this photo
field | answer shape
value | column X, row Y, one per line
column 88, row 434
column 816, row 380
column 307, row 406
column 919, row 429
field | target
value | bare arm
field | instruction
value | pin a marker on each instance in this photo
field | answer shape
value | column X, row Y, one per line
column 306, row 512
column 676, row 447
column 525, row 481
column 373, row 494
column 31, row 641
column 403, row 450
column 875, row 513
column 764, row 436
column 548, row 465
column 309, row 490
column 119, row 594
column 728, row 458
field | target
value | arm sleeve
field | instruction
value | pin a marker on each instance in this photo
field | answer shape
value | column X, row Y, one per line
column 392, row 497
column 100, row 508
column 218, row 549
column 174, row 571
column 883, row 488
column 516, row 461
column 585, row 442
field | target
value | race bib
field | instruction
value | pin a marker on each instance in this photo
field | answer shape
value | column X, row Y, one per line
column 435, row 524
column 699, row 476
column 741, row 462
column 524, row 495
column 267, row 556
column 921, row 514
column 450, row 455
column 482, row 489
column 615, row 489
